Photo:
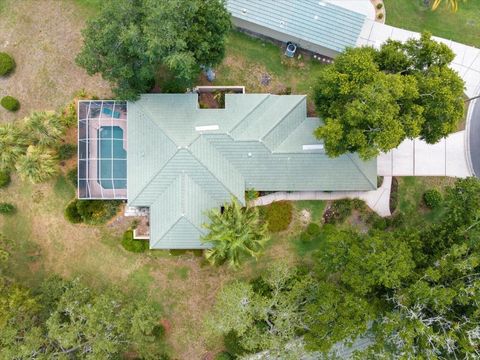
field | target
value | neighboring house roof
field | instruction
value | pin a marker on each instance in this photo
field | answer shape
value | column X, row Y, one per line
column 183, row 160
column 318, row 22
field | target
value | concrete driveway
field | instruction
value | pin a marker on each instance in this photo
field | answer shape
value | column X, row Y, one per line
column 474, row 136
column 449, row 157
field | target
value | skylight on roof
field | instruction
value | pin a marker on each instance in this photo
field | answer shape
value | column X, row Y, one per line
column 207, row 128
column 313, row 147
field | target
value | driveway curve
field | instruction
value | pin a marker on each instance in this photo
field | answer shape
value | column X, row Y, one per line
column 474, row 137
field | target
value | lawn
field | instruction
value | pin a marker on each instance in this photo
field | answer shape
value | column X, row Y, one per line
column 44, row 37
column 248, row 60
column 462, row 26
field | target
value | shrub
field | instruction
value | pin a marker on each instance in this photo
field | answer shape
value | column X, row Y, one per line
column 7, row 64
column 251, row 194
column 132, row 245
column 10, row 103
column 7, row 208
column 379, row 6
column 380, row 16
column 339, row 211
column 224, row 355
column 432, row 198
column 310, row 233
column 68, row 116
column 278, row 215
column 4, row 178
column 71, row 212
column 96, row 212
column 66, row 151
column 72, row 176
column 393, row 203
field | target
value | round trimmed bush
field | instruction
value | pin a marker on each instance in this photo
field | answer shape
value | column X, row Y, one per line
column 7, row 64
column 432, row 198
column 278, row 215
column 4, row 179
column 7, row 208
column 379, row 6
column 132, row 245
column 311, row 232
column 10, row 103
column 71, row 213
column 380, row 16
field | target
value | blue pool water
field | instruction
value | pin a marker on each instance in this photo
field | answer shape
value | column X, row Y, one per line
column 112, row 158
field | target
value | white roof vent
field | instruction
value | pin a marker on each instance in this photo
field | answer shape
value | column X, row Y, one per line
column 316, row 17
column 244, row 10
column 207, row 128
column 313, row 147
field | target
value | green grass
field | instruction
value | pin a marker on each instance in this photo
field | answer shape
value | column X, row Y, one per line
column 64, row 189
column 315, row 207
column 462, row 26
column 410, row 193
column 247, row 59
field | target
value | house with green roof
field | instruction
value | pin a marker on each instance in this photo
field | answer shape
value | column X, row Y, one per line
column 178, row 160
column 314, row 25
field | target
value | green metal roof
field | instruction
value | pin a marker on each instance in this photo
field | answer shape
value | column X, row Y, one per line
column 318, row 22
column 258, row 141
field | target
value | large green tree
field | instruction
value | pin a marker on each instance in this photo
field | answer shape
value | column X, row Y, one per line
column 235, row 233
column 129, row 40
column 68, row 320
column 265, row 314
column 371, row 100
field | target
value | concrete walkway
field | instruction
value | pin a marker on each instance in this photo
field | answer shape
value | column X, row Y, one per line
column 378, row 200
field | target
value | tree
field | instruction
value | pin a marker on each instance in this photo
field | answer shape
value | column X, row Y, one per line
column 44, row 128
column 12, row 145
column 37, row 164
column 266, row 314
column 67, row 320
column 235, row 233
column 371, row 100
column 129, row 40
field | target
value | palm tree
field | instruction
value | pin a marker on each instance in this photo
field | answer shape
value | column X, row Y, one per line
column 37, row 164
column 452, row 4
column 12, row 145
column 45, row 128
column 234, row 234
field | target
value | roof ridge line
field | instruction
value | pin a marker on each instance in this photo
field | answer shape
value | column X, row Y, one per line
column 361, row 171
column 249, row 113
column 175, row 223
column 154, row 176
column 303, row 97
column 154, row 123
column 168, row 230
column 211, row 173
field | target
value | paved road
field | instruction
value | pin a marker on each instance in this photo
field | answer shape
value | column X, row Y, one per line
column 475, row 138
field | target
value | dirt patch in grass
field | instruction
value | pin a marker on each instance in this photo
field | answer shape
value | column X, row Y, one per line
column 44, row 38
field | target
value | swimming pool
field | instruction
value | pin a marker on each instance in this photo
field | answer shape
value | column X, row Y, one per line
column 112, row 158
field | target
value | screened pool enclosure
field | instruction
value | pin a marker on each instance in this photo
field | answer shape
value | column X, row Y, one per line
column 102, row 149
